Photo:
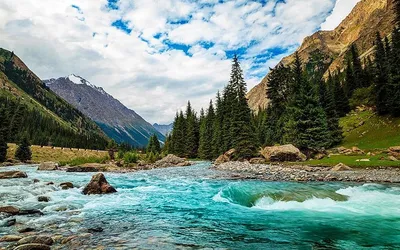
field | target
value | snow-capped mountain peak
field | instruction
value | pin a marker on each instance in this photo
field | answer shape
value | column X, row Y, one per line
column 79, row 80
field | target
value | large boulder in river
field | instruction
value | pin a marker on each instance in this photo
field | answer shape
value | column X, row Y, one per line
column 12, row 174
column 226, row 157
column 283, row 153
column 170, row 161
column 9, row 210
column 48, row 166
column 33, row 246
column 39, row 239
column 98, row 185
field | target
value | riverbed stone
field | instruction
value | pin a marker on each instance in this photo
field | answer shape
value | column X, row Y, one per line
column 48, row 166
column 257, row 160
column 66, row 185
column 83, row 168
column 341, row 167
column 43, row 199
column 26, row 230
column 170, row 161
column 10, row 238
column 40, row 239
column 33, row 246
column 9, row 210
column 12, row 174
column 283, row 153
column 98, row 185
column 10, row 222
column 226, row 157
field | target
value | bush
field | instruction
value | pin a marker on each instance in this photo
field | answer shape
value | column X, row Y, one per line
column 131, row 157
column 23, row 152
column 151, row 157
column 82, row 160
column 362, row 97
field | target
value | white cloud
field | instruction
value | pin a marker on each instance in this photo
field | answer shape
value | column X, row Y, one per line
column 146, row 69
column 341, row 10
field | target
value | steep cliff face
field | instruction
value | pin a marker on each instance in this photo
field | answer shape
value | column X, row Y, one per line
column 359, row 27
column 116, row 120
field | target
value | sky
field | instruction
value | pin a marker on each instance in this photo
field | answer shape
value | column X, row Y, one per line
column 155, row 55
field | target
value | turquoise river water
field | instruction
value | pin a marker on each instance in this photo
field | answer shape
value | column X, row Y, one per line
column 192, row 208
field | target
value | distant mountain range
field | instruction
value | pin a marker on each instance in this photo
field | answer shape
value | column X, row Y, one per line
column 164, row 129
column 116, row 120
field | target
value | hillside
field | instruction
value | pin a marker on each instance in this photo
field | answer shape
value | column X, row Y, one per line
column 359, row 27
column 116, row 120
column 30, row 108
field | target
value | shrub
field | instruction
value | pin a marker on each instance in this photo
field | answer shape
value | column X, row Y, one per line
column 131, row 157
column 362, row 97
column 82, row 160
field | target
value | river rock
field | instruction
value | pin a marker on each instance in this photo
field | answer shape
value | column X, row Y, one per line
column 33, row 246
column 395, row 152
column 170, row 161
column 226, row 157
column 283, row 153
column 29, row 212
column 26, row 230
column 356, row 150
column 98, row 185
column 48, row 166
column 341, row 167
column 9, row 210
column 10, row 222
column 66, row 185
column 12, row 174
column 10, row 238
column 392, row 158
column 258, row 160
column 43, row 199
column 82, row 169
column 40, row 239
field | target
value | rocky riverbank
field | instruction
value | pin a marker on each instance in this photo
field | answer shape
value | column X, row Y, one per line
column 302, row 173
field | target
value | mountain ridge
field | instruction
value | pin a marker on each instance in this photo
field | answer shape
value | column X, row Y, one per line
column 116, row 120
column 359, row 28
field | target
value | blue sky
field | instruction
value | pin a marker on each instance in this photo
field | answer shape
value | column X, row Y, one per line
column 155, row 55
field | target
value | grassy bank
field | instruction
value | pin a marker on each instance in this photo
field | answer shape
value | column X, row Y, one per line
column 64, row 155
column 368, row 131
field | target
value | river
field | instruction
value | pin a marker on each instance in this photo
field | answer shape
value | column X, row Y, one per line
column 192, row 208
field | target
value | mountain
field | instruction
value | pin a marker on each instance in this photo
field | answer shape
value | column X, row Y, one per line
column 116, row 120
column 28, row 107
column 164, row 129
column 359, row 28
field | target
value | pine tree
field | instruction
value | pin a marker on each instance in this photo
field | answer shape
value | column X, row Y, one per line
column 241, row 130
column 218, row 133
column 3, row 147
column 307, row 127
column 23, row 152
column 279, row 92
column 350, row 81
column 340, row 96
column 154, row 145
column 394, row 58
column 336, row 132
column 382, row 80
column 192, row 132
column 358, row 71
column 206, row 134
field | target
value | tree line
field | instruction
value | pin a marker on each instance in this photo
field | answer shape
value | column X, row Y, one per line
column 306, row 102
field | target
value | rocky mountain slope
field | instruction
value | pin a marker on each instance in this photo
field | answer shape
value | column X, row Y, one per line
column 37, row 112
column 164, row 129
column 359, row 27
column 116, row 120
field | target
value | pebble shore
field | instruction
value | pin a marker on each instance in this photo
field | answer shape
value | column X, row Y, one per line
column 300, row 173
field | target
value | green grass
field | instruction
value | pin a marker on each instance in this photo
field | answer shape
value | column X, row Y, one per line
column 351, row 161
column 83, row 160
column 375, row 133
